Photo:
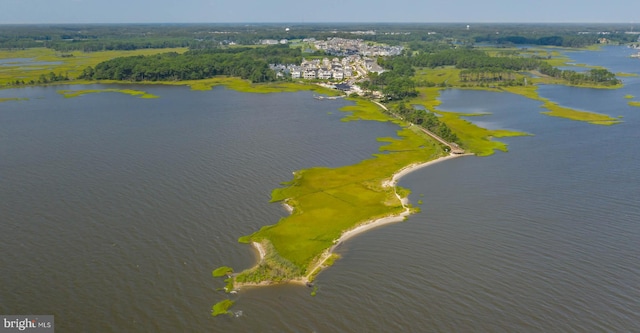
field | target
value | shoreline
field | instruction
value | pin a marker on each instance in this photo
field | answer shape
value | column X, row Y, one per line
column 355, row 231
column 374, row 223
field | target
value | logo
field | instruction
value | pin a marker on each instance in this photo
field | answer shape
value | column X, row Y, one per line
column 20, row 323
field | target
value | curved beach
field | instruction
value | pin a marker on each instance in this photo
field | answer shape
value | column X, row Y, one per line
column 368, row 225
column 360, row 228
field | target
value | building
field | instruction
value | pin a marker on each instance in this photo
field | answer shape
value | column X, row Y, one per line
column 309, row 74
column 296, row 73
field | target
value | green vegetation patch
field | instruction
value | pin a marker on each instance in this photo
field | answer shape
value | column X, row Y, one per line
column 273, row 268
column 556, row 110
column 246, row 86
column 474, row 138
column 222, row 271
column 221, row 307
column 365, row 110
column 591, row 117
column 629, row 96
column 7, row 99
column 634, row 103
column 76, row 93
column 445, row 75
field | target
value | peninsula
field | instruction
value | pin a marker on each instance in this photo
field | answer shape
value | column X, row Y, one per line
column 394, row 76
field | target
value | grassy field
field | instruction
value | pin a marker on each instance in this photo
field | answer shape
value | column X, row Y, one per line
column 442, row 75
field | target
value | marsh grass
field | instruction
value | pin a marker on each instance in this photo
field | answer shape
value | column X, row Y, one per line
column 556, row 110
column 241, row 85
column 76, row 93
column 473, row 138
column 222, row 271
column 221, row 307
column 9, row 99
column 273, row 268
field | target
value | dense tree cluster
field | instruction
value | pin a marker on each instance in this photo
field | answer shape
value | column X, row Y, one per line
column 471, row 58
column 566, row 40
column 427, row 120
column 478, row 66
column 597, row 76
column 394, row 86
column 246, row 63
column 488, row 74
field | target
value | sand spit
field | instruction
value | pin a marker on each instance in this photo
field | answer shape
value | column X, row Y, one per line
column 368, row 225
column 362, row 227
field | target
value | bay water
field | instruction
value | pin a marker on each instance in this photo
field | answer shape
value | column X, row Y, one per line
column 114, row 210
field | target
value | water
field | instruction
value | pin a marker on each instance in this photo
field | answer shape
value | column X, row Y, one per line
column 114, row 210
column 12, row 62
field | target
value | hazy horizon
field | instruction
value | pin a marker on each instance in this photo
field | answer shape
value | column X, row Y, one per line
column 327, row 11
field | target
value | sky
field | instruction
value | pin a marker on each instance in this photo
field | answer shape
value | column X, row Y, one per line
column 304, row 11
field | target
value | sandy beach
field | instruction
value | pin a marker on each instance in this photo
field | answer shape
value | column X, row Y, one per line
column 362, row 227
column 368, row 225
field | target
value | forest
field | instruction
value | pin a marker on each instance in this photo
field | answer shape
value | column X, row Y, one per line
column 246, row 63
column 102, row 37
column 478, row 66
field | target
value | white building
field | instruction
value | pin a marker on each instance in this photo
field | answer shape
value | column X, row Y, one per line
column 324, row 74
column 309, row 74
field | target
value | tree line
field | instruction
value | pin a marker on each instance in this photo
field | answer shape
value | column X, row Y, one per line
column 427, row 120
column 597, row 76
column 479, row 66
column 566, row 40
column 246, row 63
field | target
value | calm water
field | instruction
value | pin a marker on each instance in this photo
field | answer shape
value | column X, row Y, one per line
column 114, row 210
